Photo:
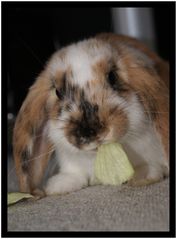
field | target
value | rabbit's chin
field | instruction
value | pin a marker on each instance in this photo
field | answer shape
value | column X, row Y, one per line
column 92, row 146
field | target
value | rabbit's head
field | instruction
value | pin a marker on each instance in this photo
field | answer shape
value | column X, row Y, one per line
column 100, row 94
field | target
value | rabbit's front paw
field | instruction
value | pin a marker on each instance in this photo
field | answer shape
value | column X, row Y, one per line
column 64, row 183
column 148, row 174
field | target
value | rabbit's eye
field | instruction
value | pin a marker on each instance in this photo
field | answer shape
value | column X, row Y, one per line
column 114, row 81
column 61, row 91
column 59, row 94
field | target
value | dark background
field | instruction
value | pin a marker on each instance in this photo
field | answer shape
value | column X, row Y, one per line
column 34, row 33
column 30, row 34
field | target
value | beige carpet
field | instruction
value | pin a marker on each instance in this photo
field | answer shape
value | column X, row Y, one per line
column 97, row 208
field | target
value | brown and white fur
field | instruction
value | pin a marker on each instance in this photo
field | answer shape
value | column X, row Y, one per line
column 107, row 88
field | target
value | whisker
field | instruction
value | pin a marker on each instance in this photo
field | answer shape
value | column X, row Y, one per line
column 62, row 120
column 135, row 135
column 34, row 158
column 165, row 95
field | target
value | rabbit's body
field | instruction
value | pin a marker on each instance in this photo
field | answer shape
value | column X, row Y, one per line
column 104, row 89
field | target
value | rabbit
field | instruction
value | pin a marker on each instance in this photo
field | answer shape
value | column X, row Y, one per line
column 108, row 88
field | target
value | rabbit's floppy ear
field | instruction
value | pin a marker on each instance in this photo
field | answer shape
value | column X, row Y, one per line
column 151, row 81
column 153, row 94
column 31, row 146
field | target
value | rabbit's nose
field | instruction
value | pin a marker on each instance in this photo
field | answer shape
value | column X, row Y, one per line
column 85, row 133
